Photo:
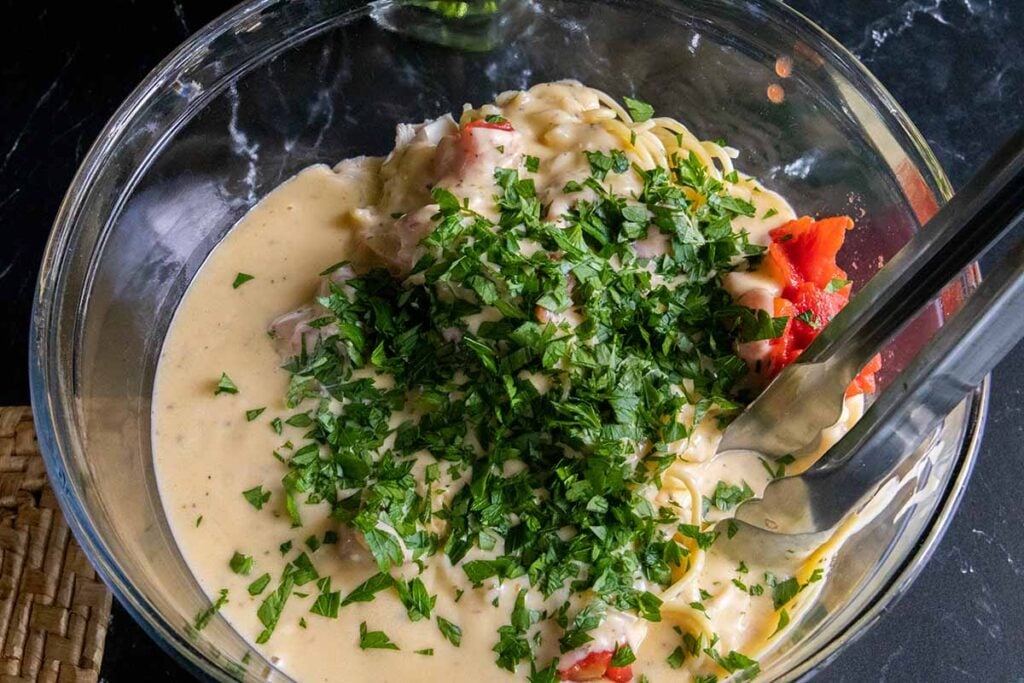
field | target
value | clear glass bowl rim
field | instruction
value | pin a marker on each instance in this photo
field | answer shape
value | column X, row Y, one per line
column 54, row 419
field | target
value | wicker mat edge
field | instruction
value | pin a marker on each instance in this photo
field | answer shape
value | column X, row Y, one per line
column 54, row 612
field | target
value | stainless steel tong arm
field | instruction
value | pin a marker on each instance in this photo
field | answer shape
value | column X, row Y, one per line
column 807, row 396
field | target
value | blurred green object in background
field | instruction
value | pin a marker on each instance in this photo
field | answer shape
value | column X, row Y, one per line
column 476, row 25
column 457, row 9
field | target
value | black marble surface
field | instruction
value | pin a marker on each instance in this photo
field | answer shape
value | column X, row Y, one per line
column 957, row 67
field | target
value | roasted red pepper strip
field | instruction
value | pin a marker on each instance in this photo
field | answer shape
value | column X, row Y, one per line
column 864, row 383
column 619, row 674
column 595, row 666
column 815, row 308
column 483, row 123
column 782, row 350
column 802, row 257
column 805, row 251
column 590, row 668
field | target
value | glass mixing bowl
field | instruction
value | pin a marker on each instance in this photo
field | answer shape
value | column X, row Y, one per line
column 274, row 86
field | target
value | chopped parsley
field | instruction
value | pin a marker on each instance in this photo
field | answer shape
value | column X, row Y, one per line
column 270, row 609
column 328, row 602
column 601, row 163
column 638, row 111
column 836, row 284
column 300, row 420
column 203, row 618
column 241, row 279
column 374, row 640
column 418, row 602
column 512, row 646
column 341, row 264
column 784, row 591
column 810, row 318
column 755, row 590
column 225, row 385
column 251, row 415
column 623, row 656
column 302, row 570
column 731, row 528
column 728, row 496
column 366, row 591
column 734, row 661
column 450, row 631
column 532, row 164
column 704, row 539
column 548, row 674
column 758, row 325
column 783, row 621
column 256, row 496
column 259, row 585
column 586, row 620
column 779, row 471
column 241, row 564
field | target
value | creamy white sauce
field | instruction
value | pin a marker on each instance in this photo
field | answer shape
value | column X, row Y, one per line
column 207, row 453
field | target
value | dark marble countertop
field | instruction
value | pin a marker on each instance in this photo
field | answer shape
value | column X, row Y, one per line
column 957, row 67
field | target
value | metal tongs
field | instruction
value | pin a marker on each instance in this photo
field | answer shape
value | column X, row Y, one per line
column 807, row 397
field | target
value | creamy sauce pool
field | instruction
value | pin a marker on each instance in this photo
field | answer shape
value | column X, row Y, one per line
column 207, row 452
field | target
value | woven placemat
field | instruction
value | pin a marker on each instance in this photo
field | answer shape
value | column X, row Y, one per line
column 54, row 612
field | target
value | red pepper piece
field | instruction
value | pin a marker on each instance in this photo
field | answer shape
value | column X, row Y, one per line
column 864, row 383
column 590, row 668
column 781, row 267
column 805, row 250
column 815, row 308
column 782, row 347
column 619, row 674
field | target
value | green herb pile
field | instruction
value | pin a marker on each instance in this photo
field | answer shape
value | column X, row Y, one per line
column 543, row 426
